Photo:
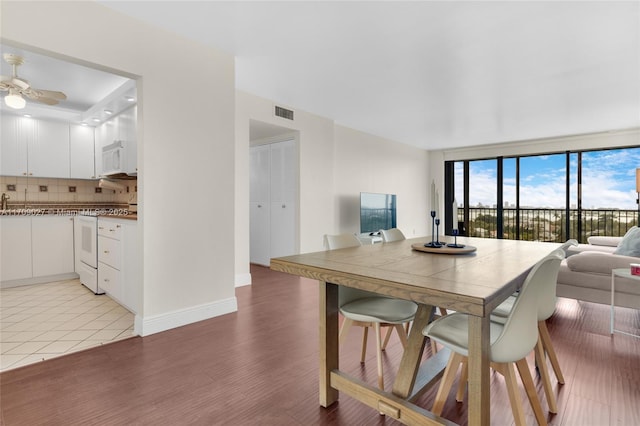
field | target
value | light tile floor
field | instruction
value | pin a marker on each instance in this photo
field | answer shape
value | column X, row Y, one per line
column 44, row 321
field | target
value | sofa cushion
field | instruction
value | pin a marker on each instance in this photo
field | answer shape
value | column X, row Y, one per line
column 599, row 262
column 604, row 241
column 630, row 244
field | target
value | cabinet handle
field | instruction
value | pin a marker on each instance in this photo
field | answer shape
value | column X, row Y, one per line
column 284, row 206
column 259, row 205
column 112, row 230
column 106, row 280
column 100, row 227
column 24, row 173
column 30, row 174
column 117, row 226
column 106, row 251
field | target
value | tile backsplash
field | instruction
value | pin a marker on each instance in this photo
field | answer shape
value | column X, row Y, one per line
column 64, row 191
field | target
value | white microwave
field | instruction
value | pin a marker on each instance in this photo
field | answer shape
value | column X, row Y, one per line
column 118, row 158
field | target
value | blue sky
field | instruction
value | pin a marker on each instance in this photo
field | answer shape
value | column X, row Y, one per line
column 608, row 180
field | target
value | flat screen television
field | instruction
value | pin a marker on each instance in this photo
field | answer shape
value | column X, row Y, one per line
column 377, row 211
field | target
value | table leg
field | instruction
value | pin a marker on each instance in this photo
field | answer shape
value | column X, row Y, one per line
column 478, row 387
column 406, row 377
column 328, row 344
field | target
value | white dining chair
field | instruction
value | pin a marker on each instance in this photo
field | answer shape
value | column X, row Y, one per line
column 510, row 342
column 544, row 347
column 390, row 235
column 365, row 309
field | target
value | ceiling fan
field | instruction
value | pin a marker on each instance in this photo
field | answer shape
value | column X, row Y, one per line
column 17, row 87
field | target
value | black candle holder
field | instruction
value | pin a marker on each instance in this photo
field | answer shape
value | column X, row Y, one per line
column 434, row 243
column 455, row 244
column 438, row 232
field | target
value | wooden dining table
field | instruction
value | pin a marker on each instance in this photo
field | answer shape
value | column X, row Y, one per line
column 473, row 283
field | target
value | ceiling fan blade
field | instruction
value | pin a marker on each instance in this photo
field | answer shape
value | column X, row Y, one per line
column 22, row 84
column 45, row 100
column 50, row 94
column 38, row 94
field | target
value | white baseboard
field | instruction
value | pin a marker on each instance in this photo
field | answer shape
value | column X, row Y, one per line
column 243, row 279
column 144, row 326
column 39, row 280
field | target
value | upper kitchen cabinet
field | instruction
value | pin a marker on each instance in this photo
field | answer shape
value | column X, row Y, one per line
column 48, row 155
column 34, row 147
column 13, row 149
column 82, row 152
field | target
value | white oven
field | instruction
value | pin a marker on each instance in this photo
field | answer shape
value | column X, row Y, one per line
column 87, row 251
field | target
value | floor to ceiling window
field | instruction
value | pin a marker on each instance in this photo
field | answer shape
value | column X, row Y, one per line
column 608, row 197
column 543, row 189
column 546, row 197
column 482, row 198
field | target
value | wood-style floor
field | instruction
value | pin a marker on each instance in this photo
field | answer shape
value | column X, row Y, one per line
column 259, row 367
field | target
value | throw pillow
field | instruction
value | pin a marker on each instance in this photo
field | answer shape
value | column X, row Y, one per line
column 630, row 244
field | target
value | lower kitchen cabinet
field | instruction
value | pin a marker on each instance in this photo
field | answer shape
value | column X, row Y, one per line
column 52, row 245
column 15, row 254
column 118, row 261
column 35, row 247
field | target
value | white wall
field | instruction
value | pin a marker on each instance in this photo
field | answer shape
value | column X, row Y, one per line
column 366, row 163
column 185, row 154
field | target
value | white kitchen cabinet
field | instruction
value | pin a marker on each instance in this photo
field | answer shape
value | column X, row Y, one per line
column 15, row 254
column 48, row 153
column 81, row 152
column 52, row 245
column 118, row 261
column 36, row 249
column 33, row 147
column 17, row 133
column 273, row 206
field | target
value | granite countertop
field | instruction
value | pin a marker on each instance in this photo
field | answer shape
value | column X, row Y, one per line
column 116, row 211
column 130, row 216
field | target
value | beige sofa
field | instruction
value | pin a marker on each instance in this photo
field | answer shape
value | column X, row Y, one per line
column 586, row 272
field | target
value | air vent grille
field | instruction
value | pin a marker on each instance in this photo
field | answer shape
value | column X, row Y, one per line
column 284, row 113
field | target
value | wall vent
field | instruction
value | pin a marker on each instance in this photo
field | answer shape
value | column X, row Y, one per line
column 284, row 113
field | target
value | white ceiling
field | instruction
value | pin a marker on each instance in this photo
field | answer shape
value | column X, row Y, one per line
column 430, row 74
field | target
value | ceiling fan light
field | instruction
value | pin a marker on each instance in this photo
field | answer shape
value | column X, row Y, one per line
column 14, row 100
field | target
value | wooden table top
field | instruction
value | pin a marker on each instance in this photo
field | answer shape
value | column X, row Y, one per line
column 473, row 283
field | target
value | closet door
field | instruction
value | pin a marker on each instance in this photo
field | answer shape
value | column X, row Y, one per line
column 283, row 198
column 272, row 201
column 260, row 165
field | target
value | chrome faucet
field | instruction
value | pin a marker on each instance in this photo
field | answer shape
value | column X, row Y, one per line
column 5, row 197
